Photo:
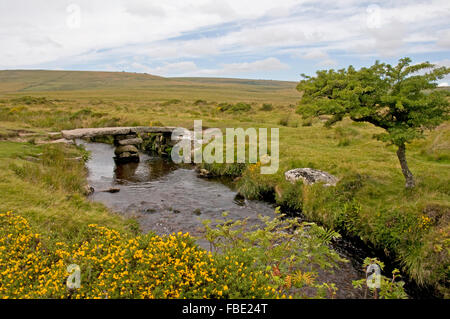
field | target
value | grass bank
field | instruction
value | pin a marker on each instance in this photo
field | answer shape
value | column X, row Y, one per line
column 46, row 185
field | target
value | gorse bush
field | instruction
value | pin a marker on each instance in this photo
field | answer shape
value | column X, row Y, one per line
column 280, row 258
column 234, row 108
column 113, row 265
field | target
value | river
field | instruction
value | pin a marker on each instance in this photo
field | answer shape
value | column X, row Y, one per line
column 165, row 198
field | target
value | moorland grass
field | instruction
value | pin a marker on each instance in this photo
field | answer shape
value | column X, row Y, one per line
column 45, row 186
column 370, row 201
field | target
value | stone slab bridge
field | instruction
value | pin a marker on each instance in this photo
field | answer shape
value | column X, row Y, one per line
column 127, row 140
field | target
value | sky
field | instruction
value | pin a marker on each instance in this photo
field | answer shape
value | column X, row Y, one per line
column 262, row 39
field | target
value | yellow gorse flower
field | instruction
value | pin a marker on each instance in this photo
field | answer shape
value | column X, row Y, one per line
column 113, row 265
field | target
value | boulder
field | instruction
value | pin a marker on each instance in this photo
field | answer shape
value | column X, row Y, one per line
column 126, row 148
column 88, row 190
column 310, row 176
column 130, row 141
column 125, row 155
column 204, row 173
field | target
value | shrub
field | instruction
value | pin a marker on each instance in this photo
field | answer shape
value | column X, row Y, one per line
column 390, row 288
column 238, row 107
column 114, row 266
column 200, row 102
column 284, row 121
column 266, row 107
column 31, row 100
column 171, row 102
column 288, row 252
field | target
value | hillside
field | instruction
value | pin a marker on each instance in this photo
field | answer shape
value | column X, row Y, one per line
column 34, row 81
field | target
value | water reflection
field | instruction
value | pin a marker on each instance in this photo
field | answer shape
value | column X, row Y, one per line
column 163, row 196
column 167, row 198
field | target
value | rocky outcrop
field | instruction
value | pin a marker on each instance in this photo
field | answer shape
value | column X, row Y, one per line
column 310, row 176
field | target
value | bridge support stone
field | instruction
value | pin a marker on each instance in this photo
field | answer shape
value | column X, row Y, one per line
column 127, row 141
column 126, row 148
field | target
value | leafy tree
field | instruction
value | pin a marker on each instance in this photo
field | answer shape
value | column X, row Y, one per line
column 400, row 99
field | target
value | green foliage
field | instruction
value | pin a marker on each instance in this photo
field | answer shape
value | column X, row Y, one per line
column 29, row 100
column 393, row 228
column 52, row 177
column 234, row 108
column 290, row 196
column 266, row 107
column 290, row 253
column 390, row 97
column 171, row 102
column 200, row 102
column 349, row 220
column 55, row 169
column 226, row 169
column 284, row 121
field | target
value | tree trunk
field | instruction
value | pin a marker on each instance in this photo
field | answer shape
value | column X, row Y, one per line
column 401, row 154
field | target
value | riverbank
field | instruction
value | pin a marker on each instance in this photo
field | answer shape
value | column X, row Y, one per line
column 369, row 203
column 410, row 240
column 49, row 233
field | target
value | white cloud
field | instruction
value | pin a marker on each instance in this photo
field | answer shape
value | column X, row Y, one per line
column 189, row 68
column 269, row 64
column 315, row 54
column 178, row 68
column 442, row 84
column 445, row 62
column 151, row 32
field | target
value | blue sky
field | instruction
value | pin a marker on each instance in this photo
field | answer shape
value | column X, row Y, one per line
column 261, row 39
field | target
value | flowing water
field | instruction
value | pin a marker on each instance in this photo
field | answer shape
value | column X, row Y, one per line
column 166, row 198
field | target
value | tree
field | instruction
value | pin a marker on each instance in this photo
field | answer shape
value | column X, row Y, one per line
column 400, row 99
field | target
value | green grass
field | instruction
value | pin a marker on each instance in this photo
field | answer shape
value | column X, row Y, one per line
column 371, row 179
column 44, row 185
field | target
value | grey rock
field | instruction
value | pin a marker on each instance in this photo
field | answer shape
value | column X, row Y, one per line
column 130, row 141
column 310, row 176
column 204, row 173
column 92, row 132
column 124, row 155
column 126, row 148
column 88, row 190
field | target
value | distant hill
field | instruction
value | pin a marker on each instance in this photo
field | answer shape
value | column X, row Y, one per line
column 42, row 80
column 89, row 83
